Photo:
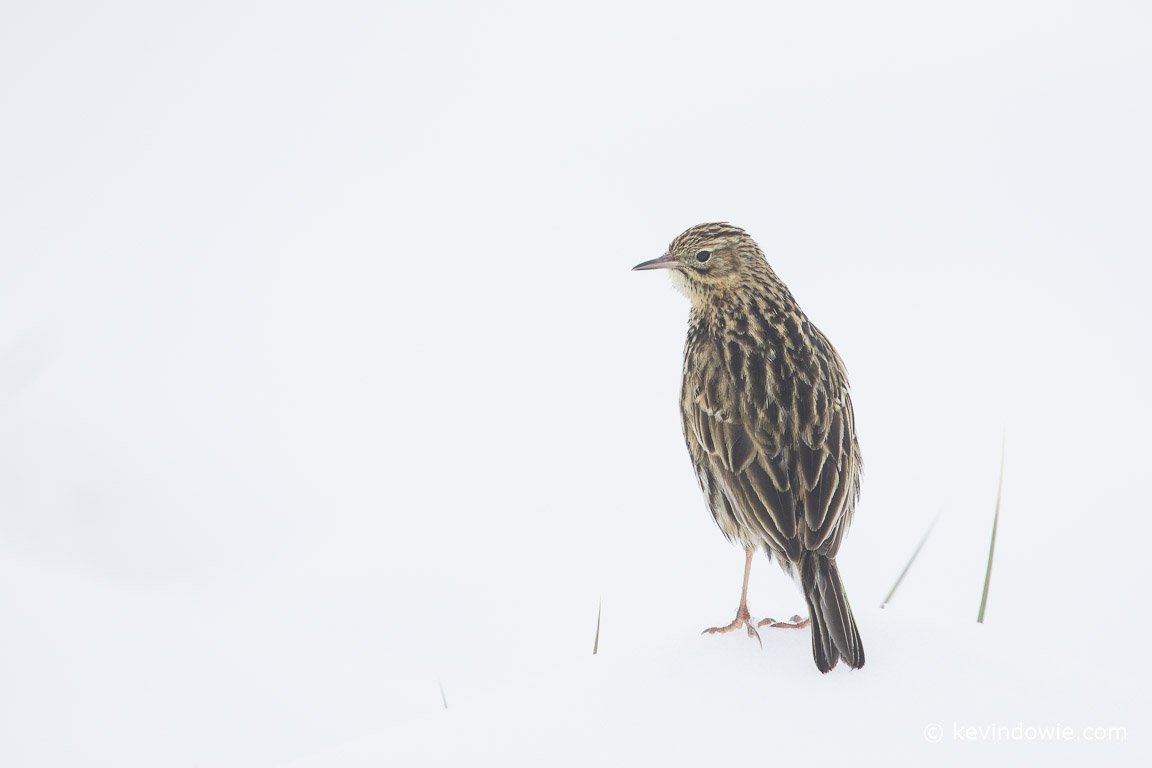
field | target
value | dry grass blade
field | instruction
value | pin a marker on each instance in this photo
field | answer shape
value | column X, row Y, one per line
column 911, row 560
column 992, row 543
column 596, row 642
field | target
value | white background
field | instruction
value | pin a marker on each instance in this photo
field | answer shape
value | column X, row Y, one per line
column 323, row 376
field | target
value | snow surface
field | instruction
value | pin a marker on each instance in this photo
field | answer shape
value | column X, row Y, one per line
column 686, row 702
column 324, row 382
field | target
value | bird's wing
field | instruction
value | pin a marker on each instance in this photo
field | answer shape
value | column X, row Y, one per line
column 826, row 461
column 782, row 448
column 747, row 461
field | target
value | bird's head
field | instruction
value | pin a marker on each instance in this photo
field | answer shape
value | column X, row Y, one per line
column 709, row 259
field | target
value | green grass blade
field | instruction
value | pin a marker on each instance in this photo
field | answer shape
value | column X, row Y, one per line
column 596, row 642
column 911, row 560
column 992, row 543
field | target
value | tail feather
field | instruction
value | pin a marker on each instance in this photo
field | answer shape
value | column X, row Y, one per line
column 834, row 633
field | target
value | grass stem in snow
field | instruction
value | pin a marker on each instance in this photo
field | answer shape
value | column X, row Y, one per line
column 596, row 642
column 992, row 543
column 908, row 565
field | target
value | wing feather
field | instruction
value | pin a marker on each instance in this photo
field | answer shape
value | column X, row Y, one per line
column 781, row 471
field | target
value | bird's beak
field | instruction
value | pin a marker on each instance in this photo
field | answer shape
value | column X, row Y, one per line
column 667, row 261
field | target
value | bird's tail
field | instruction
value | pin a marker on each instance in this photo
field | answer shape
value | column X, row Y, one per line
column 834, row 633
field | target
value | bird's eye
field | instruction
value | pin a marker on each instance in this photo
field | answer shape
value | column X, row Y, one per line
column 703, row 256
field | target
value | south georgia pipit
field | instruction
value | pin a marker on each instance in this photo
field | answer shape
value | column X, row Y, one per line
column 768, row 421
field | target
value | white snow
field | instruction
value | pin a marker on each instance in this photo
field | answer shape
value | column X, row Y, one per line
column 324, row 381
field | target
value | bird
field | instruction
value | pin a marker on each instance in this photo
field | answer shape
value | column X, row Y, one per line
column 769, row 425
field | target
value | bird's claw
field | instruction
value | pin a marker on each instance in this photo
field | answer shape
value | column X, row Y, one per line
column 796, row 622
column 743, row 619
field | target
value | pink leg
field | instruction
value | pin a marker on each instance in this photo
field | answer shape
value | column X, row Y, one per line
column 743, row 618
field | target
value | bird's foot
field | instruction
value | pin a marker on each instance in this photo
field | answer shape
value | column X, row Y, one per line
column 743, row 619
column 796, row 622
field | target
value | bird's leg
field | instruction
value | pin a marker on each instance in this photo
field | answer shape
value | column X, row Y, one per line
column 743, row 618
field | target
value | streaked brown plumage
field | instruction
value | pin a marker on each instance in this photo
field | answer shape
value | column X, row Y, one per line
column 769, row 426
